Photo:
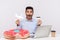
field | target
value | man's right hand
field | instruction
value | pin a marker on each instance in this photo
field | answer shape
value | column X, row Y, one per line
column 17, row 22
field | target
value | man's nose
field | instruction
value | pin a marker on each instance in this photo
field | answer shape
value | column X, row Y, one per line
column 29, row 11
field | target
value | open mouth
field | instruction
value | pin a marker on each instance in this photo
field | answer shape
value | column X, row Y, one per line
column 29, row 15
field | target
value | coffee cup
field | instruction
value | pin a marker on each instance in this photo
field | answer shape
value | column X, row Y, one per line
column 53, row 33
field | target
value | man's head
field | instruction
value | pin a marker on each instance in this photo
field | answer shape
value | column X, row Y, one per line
column 29, row 12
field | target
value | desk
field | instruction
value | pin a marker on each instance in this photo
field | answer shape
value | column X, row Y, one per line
column 46, row 38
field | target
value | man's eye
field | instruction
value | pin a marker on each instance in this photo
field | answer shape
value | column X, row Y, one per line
column 31, row 12
column 27, row 11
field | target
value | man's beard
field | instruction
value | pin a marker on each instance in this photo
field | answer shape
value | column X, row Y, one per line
column 29, row 16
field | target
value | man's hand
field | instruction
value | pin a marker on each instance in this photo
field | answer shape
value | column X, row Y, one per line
column 17, row 22
column 39, row 22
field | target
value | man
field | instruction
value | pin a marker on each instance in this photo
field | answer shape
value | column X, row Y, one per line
column 29, row 24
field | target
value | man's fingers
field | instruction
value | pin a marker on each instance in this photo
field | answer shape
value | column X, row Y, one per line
column 17, row 22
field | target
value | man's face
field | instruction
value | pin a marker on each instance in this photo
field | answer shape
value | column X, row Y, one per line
column 29, row 13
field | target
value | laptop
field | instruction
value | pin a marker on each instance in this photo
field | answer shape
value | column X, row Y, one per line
column 43, row 31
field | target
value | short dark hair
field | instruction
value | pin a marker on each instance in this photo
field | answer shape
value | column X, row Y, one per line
column 29, row 7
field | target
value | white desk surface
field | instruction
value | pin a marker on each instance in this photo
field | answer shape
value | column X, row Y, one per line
column 46, row 38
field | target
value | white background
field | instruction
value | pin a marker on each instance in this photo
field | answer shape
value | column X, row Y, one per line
column 48, row 10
